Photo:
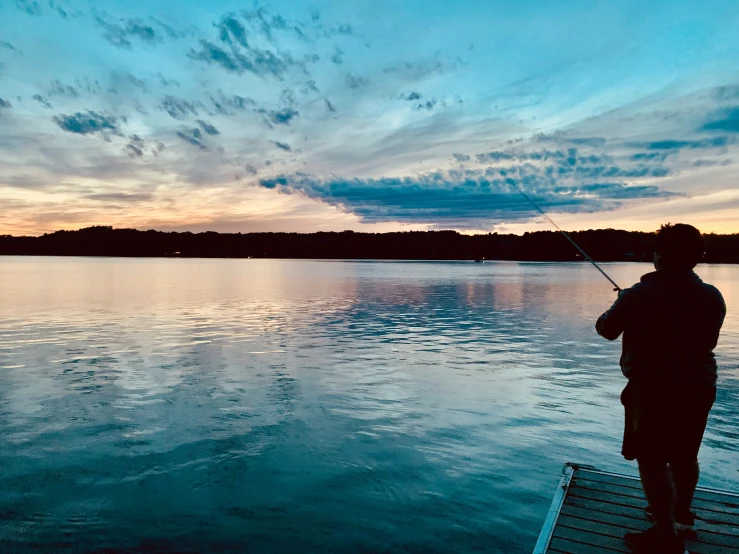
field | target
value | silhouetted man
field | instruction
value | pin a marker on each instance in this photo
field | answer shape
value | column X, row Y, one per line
column 670, row 323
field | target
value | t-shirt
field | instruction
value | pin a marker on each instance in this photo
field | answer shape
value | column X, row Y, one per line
column 670, row 321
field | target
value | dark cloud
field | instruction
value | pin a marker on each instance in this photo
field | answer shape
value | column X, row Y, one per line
column 279, row 117
column 210, row 53
column 4, row 105
column 167, row 82
column 250, row 169
column 126, row 81
column 135, row 147
column 234, row 52
column 309, row 86
column 724, row 120
column 437, row 198
column 178, row 108
column 121, row 33
column 338, row 56
column 171, row 32
column 60, row 89
column 134, row 151
column 31, row 7
column 461, row 157
column 716, row 142
column 231, row 31
column 411, row 96
column 356, row 82
column 329, row 106
column 282, row 146
column 419, row 70
column 7, row 46
column 264, row 23
column 41, row 100
column 58, row 9
column 342, row 29
column 252, row 60
column 120, row 197
column 429, row 105
column 88, row 123
column 194, row 137
column 726, row 93
column 208, row 128
column 236, row 102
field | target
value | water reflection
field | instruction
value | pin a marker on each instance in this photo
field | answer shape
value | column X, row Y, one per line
column 193, row 404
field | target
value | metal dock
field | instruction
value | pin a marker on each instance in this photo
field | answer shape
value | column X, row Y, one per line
column 592, row 510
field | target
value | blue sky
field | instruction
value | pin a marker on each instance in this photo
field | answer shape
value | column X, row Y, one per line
column 305, row 116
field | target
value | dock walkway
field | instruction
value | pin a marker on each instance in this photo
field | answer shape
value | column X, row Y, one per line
column 592, row 510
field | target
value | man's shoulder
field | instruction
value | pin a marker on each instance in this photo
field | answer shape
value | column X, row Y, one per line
column 713, row 292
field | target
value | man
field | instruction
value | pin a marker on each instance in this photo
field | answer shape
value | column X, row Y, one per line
column 670, row 323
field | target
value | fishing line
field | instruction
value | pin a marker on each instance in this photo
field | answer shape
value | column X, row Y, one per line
column 569, row 238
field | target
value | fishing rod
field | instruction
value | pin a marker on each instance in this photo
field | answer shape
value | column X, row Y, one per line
column 569, row 238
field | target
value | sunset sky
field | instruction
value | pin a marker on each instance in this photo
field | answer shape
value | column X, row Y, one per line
column 368, row 115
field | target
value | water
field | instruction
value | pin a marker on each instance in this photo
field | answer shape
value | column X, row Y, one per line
column 310, row 406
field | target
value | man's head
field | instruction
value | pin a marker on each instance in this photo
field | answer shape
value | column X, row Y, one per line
column 678, row 246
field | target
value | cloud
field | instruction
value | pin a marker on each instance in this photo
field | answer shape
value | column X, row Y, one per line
column 210, row 53
column 135, row 148
column 411, row 96
column 716, row 142
column 309, row 86
column 461, row 157
column 279, row 117
column 439, row 198
column 724, row 120
column 8, row 46
column 194, row 137
column 60, row 89
column 178, row 108
column 208, row 128
column 134, row 151
column 121, row 81
column 120, row 197
column 416, row 71
column 231, row 31
column 329, row 106
column 252, row 60
column 4, row 105
column 338, row 56
column 235, row 102
column 233, row 51
column 88, row 123
column 120, row 34
column 282, row 146
column 428, row 105
column 30, row 7
column 41, row 100
column 62, row 12
column 355, row 82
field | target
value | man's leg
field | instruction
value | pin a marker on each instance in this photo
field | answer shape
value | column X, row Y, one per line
column 656, row 478
column 685, row 474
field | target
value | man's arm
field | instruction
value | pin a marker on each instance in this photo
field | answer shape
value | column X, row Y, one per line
column 612, row 323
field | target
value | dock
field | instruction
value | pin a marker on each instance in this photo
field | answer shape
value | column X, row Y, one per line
column 592, row 510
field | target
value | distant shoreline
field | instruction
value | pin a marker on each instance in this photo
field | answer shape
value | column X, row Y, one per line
column 607, row 245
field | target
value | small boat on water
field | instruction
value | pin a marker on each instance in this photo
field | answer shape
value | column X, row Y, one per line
column 592, row 510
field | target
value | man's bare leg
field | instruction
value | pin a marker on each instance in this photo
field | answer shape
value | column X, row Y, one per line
column 657, row 481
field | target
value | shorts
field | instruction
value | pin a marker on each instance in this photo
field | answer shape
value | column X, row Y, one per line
column 665, row 423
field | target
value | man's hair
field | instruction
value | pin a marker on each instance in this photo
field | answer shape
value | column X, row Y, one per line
column 679, row 246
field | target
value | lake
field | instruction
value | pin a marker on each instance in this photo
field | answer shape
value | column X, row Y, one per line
column 183, row 405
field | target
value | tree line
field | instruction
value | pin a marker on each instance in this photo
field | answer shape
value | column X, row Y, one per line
column 601, row 245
